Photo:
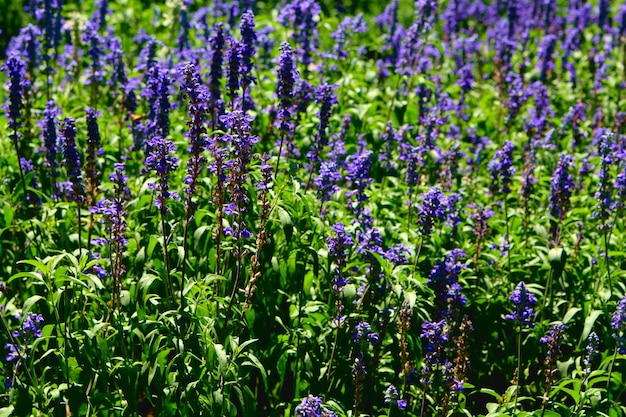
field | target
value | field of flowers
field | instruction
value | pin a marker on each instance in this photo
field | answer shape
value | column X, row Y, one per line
column 313, row 208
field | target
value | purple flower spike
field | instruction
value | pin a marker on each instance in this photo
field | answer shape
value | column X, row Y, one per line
column 162, row 160
column 618, row 324
column 523, row 302
column 561, row 186
column 71, row 161
column 502, row 169
column 312, row 407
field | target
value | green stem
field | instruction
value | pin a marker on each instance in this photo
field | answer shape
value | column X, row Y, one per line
column 519, row 367
column 169, row 289
column 608, row 381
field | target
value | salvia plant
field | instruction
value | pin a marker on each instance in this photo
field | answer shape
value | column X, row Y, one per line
column 313, row 208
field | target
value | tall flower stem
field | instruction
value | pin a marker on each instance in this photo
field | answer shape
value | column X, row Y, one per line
column 15, row 136
column 170, row 290
column 518, row 371
column 606, row 261
column 280, row 151
column 508, row 236
column 608, row 381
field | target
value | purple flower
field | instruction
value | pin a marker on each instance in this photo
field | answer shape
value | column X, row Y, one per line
column 618, row 324
column 49, row 137
column 604, row 197
column 444, row 277
column 95, row 52
column 327, row 180
column 347, row 27
column 146, row 58
column 248, row 46
column 198, row 96
column 241, row 142
column 591, row 349
column 26, row 44
column 561, row 186
column 17, row 83
column 545, row 54
column 182, row 41
column 480, row 215
column 217, row 42
column 523, row 302
column 31, row 327
column 161, row 159
column 98, row 18
column 312, row 407
column 502, row 169
column 157, row 94
column 47, row 14
column 92, row 174
column 233, row 57
column 363, row 333
column 554, row 339
column 326, row 98
column 434, row 336
column 302, row 17
column 391, row 394
column 436, row 207
column 115, row 59
column 71, row 161
column 287, row 76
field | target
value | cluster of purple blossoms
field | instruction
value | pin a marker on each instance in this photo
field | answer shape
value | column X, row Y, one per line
column 327, row 180
column 95, row 52
column 337, row 248
column 502, row 169
column 216, row 43
column 358, row 167
column 98, row 18
column 233, row 58
column 435, row 337
column 348, row 26
column 436, row 207
column 444, row 277
column 326, row 98
column 198, row 96
column 363, row 334
column 47, row 14
column 75, row 190
column 287, row 76
column 618, row 324
column 603, row 210
column 26, row 44
column 30, row 330
column 480, row 216
column 92, row 174
column 114, row 215
column 157, row 93
column 593, row 343
column 302, row 17
column 248, row 49
column 523, row 301
column 553, row 339
column 161, row 159
column 17, row 84
column 561, row 186
column 241, row 142
column 31, row 197
column 392, row 396
column 312, row 407
column 48, row 127
column 147, row 55
column 114, row 59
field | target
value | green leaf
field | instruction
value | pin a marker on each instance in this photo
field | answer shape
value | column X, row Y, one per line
column 589, row 322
